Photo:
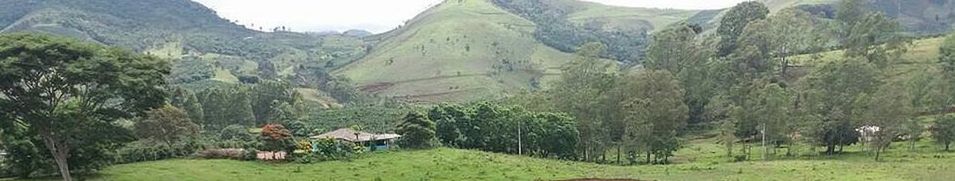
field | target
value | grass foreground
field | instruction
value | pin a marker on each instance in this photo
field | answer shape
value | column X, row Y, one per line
column 453, row 164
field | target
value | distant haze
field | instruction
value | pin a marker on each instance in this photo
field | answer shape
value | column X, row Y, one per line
column 373, row 15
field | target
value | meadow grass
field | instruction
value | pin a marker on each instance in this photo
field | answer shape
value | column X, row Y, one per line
column 700, row 160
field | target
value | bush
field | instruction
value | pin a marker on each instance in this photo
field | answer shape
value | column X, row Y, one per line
column 225, row 153
column 329, row 150
column 150, row 151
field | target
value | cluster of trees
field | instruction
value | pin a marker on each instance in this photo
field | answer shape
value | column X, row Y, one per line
column 505, row 129
column 59, row 96
column 554, row 30
column 638, row 113
column 743, row 80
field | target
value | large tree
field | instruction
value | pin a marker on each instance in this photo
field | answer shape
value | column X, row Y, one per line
column 166, row 124
column 771, row 106
column 944, row 130
column 581, row 92
column 417, row 131
column 676, row 50
column 68, row 93
column 734, row 21
column 870, row 35
column 887, row 109
column 831, row 90
column 655, row 113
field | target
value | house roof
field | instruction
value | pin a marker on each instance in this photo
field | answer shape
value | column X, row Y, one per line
column 355, row 136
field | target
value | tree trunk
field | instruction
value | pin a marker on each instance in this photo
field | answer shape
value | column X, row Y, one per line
column 618, row 155
column 946, row 146
column 648, row 158
column 789, row 149
column 830, row 149
column 60, row 154
column 912, row 144
column 765, row 148
column 878, row 150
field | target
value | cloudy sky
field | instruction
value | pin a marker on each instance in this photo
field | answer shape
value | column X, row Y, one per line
column 374, row 15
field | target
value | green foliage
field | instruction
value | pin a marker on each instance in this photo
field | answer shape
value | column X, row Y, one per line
column 235, row 132
column 80, row 88
column 140, row 151
column 501, row 128
column 870, row 35
column 888, row 108
column 190, row 69
column 944, row 130
column 556, row 31
column 330, row 150
column 654, row 113
column 227, row 106
column 832, row 89
column 167, row 124
column 267, row 96
column 581, row 92
column 417, row 131
column 735, row 21
column 187, row 100
column 676, row 50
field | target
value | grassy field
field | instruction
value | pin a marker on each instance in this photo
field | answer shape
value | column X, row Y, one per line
column 699, row 161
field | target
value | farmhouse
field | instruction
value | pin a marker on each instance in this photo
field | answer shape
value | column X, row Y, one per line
column 374, row 141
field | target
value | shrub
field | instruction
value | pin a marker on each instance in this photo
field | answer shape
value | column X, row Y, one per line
column 150, row 151
column 224, row 153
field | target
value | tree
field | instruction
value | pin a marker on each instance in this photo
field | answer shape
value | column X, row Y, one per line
column 676, row 50
column 276, row 138
column 187, row 100
column 266, row 96
column 581, row 92
column 69, row 93
column 235, row 133
column 655, row 113
column 944, row 130
column 869, row 35
column 888, row 108
column 734, row 21
column 166, row 124
column 784, row 34
column 417, row 132
column 771, row 112
column 946, row 59
column 831, row 90
column 227, row 106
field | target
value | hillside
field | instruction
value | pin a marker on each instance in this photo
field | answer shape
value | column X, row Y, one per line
column 474, row 49
column 625, row 19
column 457, row 51
column 206, row 50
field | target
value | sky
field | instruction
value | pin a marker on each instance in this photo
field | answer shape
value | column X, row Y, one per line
column 375, row 16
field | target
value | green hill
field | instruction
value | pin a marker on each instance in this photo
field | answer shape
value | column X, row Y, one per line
column 919, row 17
column 205, row 48
column 625, row 19
column 473, row 49
column 456, row 51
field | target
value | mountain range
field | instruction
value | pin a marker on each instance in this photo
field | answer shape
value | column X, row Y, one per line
column 457, row 51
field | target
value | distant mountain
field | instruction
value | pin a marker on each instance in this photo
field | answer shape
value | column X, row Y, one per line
column 357, row 33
